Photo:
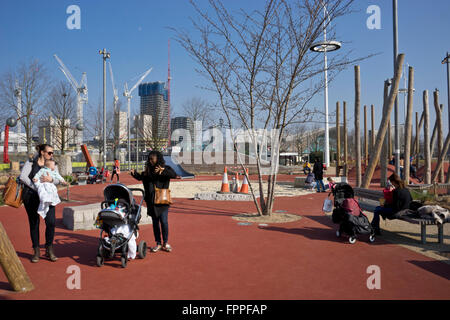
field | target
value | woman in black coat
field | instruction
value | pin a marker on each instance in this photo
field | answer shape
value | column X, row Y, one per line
column 318, row 174
column 31, row 202
column 157, row 174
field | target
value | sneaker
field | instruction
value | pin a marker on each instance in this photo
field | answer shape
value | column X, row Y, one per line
column 167, row 247
column 156, row 249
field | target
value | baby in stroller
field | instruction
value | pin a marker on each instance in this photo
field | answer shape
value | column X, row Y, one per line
column 118, row 223
column 348, row 214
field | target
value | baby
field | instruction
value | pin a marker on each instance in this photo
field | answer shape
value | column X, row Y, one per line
column 48, row 194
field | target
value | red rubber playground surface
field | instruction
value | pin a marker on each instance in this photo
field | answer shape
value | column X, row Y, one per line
column 215, row 258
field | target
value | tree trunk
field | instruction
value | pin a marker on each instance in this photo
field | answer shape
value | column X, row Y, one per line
column 420, row 129
column 384, row 123
column 12, row 266
column 426, row 133
column 408, row 126
column 438, row 130
column 384, row 160
column 357, row 129
column 433, row 137
column 417, row 149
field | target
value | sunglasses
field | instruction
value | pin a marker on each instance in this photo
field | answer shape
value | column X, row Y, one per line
column 50, row 153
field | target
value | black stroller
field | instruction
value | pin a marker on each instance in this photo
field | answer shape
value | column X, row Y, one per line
column 119, row 212
column 347, row 213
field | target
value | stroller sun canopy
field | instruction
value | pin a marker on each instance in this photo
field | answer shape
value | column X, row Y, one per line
column 119, row 191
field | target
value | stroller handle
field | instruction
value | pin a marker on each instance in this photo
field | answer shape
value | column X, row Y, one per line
column 138, row 189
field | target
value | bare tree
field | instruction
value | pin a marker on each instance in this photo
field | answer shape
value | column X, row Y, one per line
column 198, row 109
column 94, row 125
column 33, row 80
column 260, row 65
column 61, row 108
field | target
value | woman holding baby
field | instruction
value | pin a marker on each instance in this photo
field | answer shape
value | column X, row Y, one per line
column 31, row 200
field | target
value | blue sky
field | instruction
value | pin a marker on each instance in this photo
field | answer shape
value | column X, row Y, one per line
column 136, row 34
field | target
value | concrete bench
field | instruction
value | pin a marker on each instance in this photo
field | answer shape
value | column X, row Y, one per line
column 82, row 179
column 83, row 217
column 376, row 195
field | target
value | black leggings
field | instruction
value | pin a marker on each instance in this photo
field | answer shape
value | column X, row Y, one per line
column 115, row 173
column 31, row 206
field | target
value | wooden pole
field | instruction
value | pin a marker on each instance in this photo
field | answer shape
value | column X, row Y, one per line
column 389, row 139
column 408, row 126
column 384, row 123
column 440, row 161
column 417, row 149
column 357, row 129
column 372, row 133
column 420, row 129
column 345, row 140
column 426, row 134
column 12, row 266
column 385, row 156
column 366, row 145
column 434, row 136
column 439, row 128
column 338, row 140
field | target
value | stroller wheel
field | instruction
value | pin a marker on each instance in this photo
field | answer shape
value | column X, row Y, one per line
column 142, row 249
column 124, row 261
column 101, row 251
column 100, row 261
column 352, row 240
column 338, row 233
column 372, row 238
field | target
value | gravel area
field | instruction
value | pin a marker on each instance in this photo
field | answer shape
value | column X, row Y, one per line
column 274, row 218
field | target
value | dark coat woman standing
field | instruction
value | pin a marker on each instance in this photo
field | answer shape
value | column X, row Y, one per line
column 318, row 174
column 157, row 174
column 31, row 202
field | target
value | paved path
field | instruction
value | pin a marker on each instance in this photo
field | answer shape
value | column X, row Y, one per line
column 215, row 258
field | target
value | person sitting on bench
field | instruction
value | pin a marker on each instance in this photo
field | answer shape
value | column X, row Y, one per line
column 401, row 199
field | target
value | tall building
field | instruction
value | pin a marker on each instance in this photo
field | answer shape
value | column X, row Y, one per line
column 182, row 123
column 143, row 123
column 154, row 102
column 121, row 127
column 50, row 132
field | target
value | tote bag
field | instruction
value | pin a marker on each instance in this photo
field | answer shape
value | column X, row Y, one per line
column 327, row 205
column 162, row 196
column 12, row 194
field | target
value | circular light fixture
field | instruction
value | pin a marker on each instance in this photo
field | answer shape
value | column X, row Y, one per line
column 327, row 46
column 79, row 127
column 11, row 122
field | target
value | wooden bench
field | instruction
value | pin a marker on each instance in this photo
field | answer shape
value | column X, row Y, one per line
column 376, row 195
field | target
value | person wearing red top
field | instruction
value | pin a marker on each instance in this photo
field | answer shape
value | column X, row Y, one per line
column 116, row 170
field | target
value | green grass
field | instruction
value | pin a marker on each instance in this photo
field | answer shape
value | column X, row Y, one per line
column 420, row 196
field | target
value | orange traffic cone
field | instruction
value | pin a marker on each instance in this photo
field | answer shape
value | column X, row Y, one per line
column 225, row 186
column 236, row 186
column 244, row 187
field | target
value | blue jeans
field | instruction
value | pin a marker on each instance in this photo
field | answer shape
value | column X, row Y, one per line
column 318, row 184
column 162, row 220
column 383, row 211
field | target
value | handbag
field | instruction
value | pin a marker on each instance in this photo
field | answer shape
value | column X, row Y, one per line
column 162, row 196
column 327, row 205
column 12, row 194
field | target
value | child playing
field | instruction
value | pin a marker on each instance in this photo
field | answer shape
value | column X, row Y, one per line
column 48, row 194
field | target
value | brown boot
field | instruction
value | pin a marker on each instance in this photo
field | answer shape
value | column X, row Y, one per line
column 49, row 253
column 35, row 257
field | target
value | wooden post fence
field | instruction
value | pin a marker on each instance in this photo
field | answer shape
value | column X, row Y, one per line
column 366, row 145
column 426, row 133
column 357, row 129
column 408, row 126
column 12, row 266
column 384, row 123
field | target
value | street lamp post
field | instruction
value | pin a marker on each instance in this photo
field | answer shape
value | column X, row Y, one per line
column 105, row 55
column 326, row 46
column 396, row 129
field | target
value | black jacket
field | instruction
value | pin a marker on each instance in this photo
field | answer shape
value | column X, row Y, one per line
column 161, row 181
column 318, row 170
column 401, row 200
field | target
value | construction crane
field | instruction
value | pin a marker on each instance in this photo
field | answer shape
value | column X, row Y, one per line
column 116, row 112
column 82, row 94
column 127, row 94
